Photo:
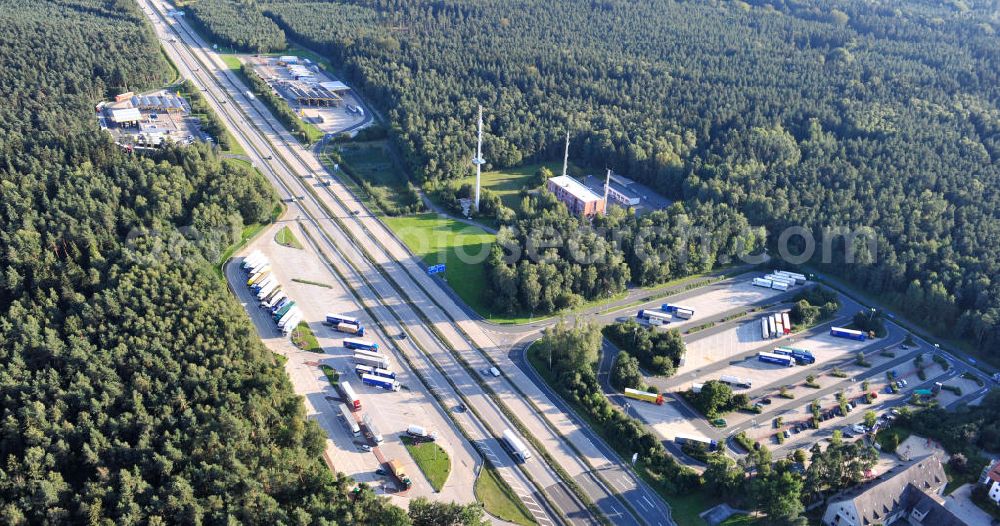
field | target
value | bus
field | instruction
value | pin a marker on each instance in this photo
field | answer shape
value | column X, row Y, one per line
column 358, row 344
column 515, row 445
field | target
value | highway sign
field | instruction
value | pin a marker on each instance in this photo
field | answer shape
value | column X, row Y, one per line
column 435, row 269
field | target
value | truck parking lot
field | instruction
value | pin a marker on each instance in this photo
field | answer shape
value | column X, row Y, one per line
column 317, row 293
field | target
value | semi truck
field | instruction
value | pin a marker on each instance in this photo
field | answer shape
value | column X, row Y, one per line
column 421, row 432
column 335, row 319
column 786, row 322
column 765, row 330
column 654, row 317
column 850, row 334
column 260, row 265
column 801, row 356
column 362, row 370
column 778, row 278
column 283, row 309
column 290, row 318
column 799, row 278
column 376, row 361
column 777, row 285
column 252, row 259
column 762, row 282
column 382, row 383
column 772, row 326
column 778, row 359
column 263, row 284
column 350, row 397
column 653, row 398
column 259, row 276
column 372, row 430
column 779, row 327
column 735, row 381
column 364, row 345
column 352, row 423
column 696, row 388
column 397, row 470
column 279, row 304
column 292, row 324
column 266, row 291
column 709, row 444
column 350, row 328
column 678, row 311
column 275, row 298
column 516, row 447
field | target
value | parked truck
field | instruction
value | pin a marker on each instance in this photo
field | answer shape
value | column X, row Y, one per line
column 275, row 298
column 350, row 328
column 801, row 356
column 421, row 432
column 382, row 383
column 372, row 430
column 266, row 291
column 786, row 322
column 364, row 345
column 654, row 317
column 291, row 324
column 252, row 259
column 762, row 282
column 777, row 359
column 350, row 397
column 709, row 444
column 283, row 310
column 799, row 278
column 653, row 398
column 678, row 311
column 336, row 319
column 397, row 470
column 735, row 381
column 765, row 329
column 352, row 423
column 371, row 359
column 850, row 334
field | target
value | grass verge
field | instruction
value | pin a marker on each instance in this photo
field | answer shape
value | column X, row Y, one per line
column 331, row 374
column 499, row 499
column 286, row 238
column 431, row 459
column 508, row 183
column 304, row 339
column 315, row 283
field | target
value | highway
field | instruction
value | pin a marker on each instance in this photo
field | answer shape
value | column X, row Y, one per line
column 387, row 274
column 483, row 417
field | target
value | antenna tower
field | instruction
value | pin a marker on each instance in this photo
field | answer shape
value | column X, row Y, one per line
column 478, row 159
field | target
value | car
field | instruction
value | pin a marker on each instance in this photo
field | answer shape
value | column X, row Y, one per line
column 460, row 408
column 765, row 401
column 904, row 347
column 853, row 403
column 787, row 434
column 365, row 447
column 888, row 389
column 401, row 336
column 894, row 412
column 356, row 212
column 902, row 382
column 269, row 157
column 495, row 372
column 381, row 472
column 719, row 422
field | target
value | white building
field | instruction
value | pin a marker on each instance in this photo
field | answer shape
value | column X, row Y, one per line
column 991, row 479
column 619, row 191
column 907, row 494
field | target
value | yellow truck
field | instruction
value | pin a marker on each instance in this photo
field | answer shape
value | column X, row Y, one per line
column 397, row 469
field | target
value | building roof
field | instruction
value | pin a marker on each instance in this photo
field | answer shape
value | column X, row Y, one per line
column 575, row 188
column 126, row 115
column 623, row 189
column 932, row 511
column 335, row 86
column 877, row 498
column 994, row 472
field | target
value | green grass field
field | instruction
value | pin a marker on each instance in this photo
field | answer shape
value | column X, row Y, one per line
column 331, row 374
column 499, row 500
column 373, row 163
column 231, row 62
column 431, row 459
column 286, row 238
column 304, row 339
column 507, row 183
column 462, row 248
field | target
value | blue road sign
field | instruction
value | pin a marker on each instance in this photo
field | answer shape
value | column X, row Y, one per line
column 435, row 269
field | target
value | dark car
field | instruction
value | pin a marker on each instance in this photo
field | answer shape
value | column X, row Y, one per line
column 765, row 401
